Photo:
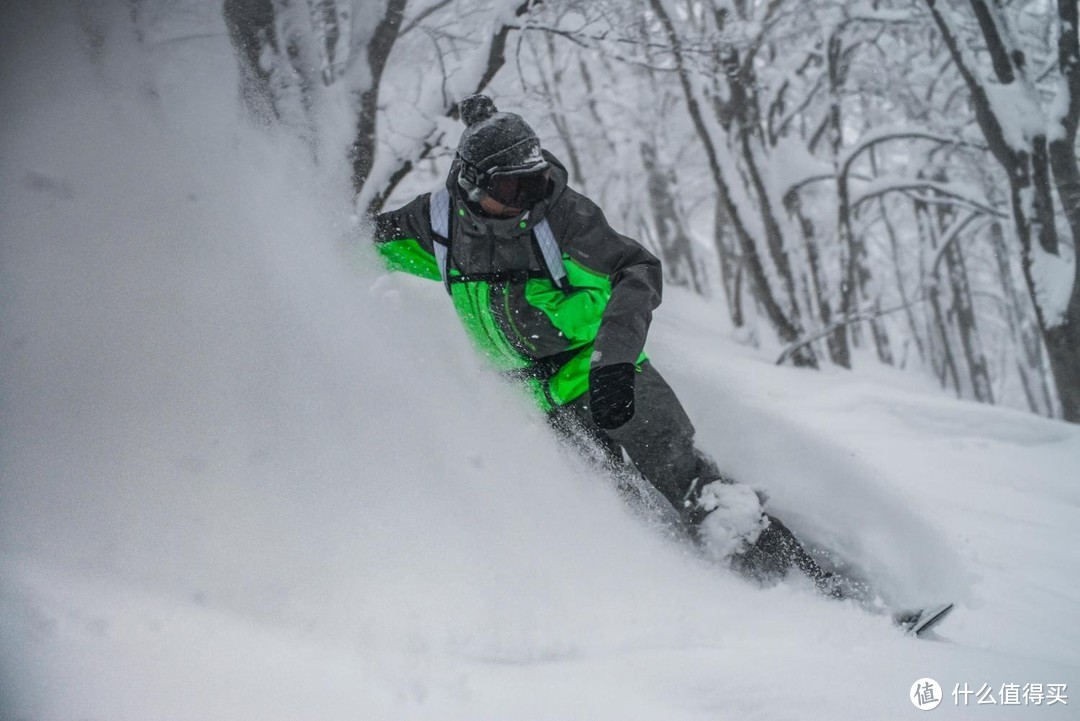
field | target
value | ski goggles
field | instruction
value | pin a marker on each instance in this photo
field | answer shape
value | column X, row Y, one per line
column 516, row 189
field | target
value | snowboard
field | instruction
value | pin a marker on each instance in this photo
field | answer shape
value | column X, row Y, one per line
column 919, row 622
column 839, row 583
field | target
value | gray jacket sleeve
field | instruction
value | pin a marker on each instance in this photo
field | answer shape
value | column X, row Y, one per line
column 635, row 276
column 412, row 220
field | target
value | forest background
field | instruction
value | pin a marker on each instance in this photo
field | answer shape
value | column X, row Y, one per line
column 890, row 181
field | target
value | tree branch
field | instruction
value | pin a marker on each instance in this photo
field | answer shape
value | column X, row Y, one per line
column 839, row 323
column 424, row 15
column 887, row 136
column 984, row 112
column 495, row 60
column 924, row 184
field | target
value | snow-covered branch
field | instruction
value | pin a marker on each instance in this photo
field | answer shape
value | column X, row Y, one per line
column 958, row 194
column 885, row 135
column 822, row 333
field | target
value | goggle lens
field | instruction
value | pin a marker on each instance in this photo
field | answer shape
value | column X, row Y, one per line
column 518, row 191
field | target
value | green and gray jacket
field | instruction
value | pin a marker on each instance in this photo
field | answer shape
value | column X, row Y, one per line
column 547, row 331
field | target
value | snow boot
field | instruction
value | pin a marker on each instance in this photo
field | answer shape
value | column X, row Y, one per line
column 726, row 517
column 731, row 526
column 776, row 551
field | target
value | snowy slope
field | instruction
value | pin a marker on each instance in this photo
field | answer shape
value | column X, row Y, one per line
column 242, row 479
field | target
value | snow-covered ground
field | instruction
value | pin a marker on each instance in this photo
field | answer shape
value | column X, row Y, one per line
column 242, row 479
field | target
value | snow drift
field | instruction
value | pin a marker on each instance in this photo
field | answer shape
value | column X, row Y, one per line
column 204, row 398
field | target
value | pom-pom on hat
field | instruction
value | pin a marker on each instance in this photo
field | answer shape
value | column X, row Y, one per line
column 495, row 142
column 476, row 108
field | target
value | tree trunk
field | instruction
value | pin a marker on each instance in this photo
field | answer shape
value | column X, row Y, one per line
column 740, row 114
column 1063, row 341
column 835, row 343
column 362, row 150
column 881, row 338
column 909, row 311
column 1029, row 176
column 251, row 28
column 942, row 358
column 774, row 237
column 838, row 341
column 1034, row 222
column 730, row 267
column 786, row 328
column 1030, row 362
column 554, row 102
column 963, row 312
column 674, row 244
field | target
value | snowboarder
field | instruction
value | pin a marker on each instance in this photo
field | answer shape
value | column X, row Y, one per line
column 557, row 299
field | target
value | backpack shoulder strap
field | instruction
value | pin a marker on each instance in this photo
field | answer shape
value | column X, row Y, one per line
column 440, row 232
column 545, row 238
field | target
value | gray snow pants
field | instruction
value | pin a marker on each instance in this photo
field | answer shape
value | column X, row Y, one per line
column 659, row 438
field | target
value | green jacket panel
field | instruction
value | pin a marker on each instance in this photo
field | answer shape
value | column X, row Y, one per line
column 408, row 256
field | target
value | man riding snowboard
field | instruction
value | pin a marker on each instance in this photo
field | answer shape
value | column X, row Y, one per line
column 556, row 299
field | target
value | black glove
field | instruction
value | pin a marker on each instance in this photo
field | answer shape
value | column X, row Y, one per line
column 611, row 394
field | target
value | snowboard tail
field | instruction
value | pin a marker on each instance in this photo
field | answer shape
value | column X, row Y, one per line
column 921, row 621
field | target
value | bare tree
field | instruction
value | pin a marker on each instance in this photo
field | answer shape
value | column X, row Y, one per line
column 365, row 138
column 673, row 241
column 293, row 52
column 782, row 319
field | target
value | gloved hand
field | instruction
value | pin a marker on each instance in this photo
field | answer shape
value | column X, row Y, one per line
column 611, row 394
